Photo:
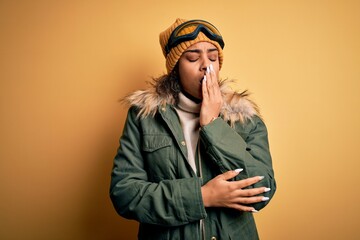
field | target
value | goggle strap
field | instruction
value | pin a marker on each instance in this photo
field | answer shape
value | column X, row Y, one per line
column 191, row 36
column 195, row 22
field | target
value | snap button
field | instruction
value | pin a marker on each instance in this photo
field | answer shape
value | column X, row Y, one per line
column 213, row 238
column 163, row 109
column 183, row 143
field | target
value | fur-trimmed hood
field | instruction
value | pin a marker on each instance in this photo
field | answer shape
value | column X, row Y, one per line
column 236, row 107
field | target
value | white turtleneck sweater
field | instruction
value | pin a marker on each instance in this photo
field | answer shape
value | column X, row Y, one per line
column 189, row 113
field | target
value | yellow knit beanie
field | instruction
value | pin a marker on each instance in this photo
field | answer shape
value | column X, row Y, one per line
column 175, row 53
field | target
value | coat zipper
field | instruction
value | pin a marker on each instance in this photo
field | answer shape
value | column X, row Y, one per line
column 202, row 225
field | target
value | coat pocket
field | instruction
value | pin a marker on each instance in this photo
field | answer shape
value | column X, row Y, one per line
column 159, row 157
column 155, row 142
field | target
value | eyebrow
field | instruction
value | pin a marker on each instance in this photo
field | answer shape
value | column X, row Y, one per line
column 200, row 51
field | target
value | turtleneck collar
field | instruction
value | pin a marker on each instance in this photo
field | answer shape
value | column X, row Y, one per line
column 188, row 105
column 191, row 97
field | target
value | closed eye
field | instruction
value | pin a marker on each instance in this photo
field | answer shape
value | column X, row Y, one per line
column 213, row 56
column 193, row 60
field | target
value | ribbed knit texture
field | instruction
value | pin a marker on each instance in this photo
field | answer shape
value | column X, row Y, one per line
column 189, row 112
column 176, row 52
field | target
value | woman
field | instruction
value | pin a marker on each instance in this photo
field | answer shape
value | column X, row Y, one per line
column 193, row 161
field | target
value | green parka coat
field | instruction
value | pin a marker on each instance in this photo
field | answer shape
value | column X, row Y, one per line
column 153, row 183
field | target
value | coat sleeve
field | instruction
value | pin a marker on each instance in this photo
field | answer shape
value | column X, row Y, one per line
column 245, row 146
column 167, row 203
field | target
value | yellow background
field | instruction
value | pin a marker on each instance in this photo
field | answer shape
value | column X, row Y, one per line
column 65, row 64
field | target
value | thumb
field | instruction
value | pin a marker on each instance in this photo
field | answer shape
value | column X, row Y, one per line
column 230, row 174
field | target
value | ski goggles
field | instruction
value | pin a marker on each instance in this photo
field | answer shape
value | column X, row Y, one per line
column 205, row 27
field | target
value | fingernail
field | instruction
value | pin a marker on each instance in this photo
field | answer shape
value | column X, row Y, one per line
column 204, row 79
column 265, row 199
column 211, row 68
column 254, row 211
column 261, row 177
column 238, row 170
column 207, row 69
column 267, row 189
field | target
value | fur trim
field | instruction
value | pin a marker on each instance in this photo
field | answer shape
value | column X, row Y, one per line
column 237, row 106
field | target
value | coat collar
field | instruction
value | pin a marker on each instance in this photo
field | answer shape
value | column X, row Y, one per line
column 237, row 105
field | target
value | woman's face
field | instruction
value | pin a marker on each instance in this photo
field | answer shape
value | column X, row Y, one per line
column 192, row 66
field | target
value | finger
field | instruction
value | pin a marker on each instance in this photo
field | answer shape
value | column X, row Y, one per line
column 213, row 75
column 249, row 181
column 215, row 88
column 249, row 192
column 230, row 174
column 242, row 208
column 210, row 78
column 204, row 87
column 250, row 200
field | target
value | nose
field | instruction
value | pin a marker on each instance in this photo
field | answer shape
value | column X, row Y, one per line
column 205, row 62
